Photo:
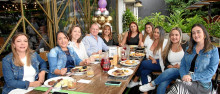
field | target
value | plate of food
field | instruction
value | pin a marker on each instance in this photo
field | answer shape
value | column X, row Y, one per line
column 120, row 72
column 137, row 54
column 130, row 62
column 62, row 81
column 79, row 70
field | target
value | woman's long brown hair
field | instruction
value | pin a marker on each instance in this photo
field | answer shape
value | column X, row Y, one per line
column 16, row 58
column 110, row 35
column 161, row 39
column 70, row 33
column 169, row 43
column 145, row 32
column 207, row 42
column 130, row 32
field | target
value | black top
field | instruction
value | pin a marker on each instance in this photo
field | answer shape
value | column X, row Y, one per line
column 110, row 42
column 193, row 64
column 69, row 63
column 133, row 41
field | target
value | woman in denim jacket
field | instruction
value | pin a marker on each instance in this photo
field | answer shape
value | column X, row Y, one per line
column 23, row 68
column 62, row 58
column 198, row 65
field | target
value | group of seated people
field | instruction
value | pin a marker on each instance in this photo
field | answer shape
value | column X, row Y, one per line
column 24, row 69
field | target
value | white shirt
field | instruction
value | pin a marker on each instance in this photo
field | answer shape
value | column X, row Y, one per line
column 29, row 71
column 29, row 75
column 147, row 39
column 150, row 53
column 175, row 57
column 158, row 53
column 81, row 51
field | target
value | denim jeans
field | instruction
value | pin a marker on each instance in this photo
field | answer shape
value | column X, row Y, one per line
column 146, row 68
column 164, row 79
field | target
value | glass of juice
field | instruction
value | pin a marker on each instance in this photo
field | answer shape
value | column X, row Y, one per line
column 90, row 72
column 71, row 84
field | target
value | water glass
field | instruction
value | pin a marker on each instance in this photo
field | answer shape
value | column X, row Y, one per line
column 90, row 72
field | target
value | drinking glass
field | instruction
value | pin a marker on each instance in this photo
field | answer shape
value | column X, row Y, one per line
column 71, row 84
column 90, row 72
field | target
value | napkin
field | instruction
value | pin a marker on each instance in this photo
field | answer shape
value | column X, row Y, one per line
column 84, row 81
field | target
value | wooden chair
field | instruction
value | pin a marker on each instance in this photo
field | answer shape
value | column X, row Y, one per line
column 43, row 55
column 1, row 76
column 120, row 37
column 1, row 41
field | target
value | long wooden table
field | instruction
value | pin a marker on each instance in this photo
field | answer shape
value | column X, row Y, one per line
column 97, row 85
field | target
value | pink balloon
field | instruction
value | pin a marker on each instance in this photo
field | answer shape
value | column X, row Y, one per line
column 102, row 3
column 102, row 9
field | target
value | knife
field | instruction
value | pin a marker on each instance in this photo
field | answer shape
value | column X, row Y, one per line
column 48, row 91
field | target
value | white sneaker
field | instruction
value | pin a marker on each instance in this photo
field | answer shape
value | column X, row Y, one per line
column 149, row 80
column 132, row 84
column 146, row 87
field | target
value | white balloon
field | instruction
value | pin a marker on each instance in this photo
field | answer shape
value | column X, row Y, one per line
column 105, row 13
column 98, row 13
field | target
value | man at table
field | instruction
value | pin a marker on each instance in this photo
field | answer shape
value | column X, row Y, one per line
column 93, row 43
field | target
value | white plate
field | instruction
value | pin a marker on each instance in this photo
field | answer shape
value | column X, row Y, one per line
column 96, row 56
column 55, row 79
column 132, row 64
column 110, row 72
column 95, row 62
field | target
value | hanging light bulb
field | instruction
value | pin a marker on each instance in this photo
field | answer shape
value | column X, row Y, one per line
column 129, row 1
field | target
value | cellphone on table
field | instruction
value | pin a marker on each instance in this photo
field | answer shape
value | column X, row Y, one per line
column 114, row 83
column 59, row 93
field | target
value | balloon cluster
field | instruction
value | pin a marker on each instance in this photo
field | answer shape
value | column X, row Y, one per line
column 102, row 14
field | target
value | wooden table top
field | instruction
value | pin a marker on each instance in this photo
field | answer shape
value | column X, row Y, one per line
column 97, row 85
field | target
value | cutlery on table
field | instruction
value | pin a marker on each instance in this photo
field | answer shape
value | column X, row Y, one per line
column 48, row 91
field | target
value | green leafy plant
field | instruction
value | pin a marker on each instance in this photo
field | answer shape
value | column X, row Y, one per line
column 215, row 29
column 176, row 20
column 191, row 21
column 128, row 17
column 156, row 18
column 212, row 23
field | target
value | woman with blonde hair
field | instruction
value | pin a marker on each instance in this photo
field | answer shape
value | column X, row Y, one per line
column 171, row 57
column 23, row 69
